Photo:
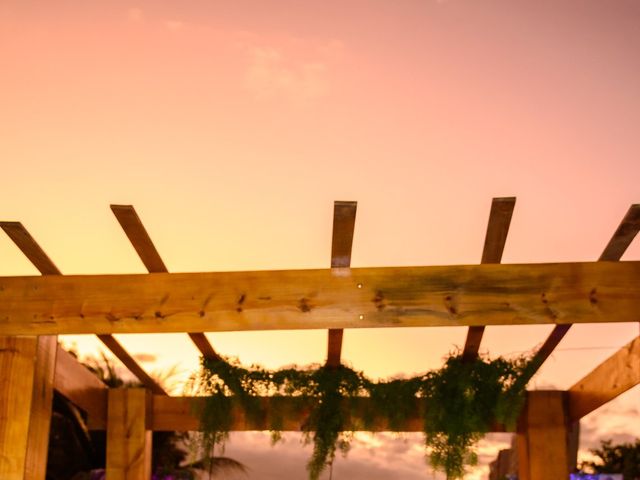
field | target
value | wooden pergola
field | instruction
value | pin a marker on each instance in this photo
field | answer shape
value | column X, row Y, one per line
column 34, row 310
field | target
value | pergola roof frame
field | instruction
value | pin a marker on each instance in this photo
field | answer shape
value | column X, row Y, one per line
column 560, row 294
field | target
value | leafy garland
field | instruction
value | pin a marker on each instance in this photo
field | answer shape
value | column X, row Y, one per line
column 461, row 402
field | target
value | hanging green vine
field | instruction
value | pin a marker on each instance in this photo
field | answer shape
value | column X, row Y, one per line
column 461, row 401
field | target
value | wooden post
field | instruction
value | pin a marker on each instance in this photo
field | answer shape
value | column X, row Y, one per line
column 26, row 392
column 546, row 439
column 128, row 439
column 41, row 407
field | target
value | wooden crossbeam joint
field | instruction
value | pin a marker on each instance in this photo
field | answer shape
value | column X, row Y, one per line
column 344, row 219
column 494, row 241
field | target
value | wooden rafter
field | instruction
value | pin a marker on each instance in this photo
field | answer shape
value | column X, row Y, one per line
column 618, row 244
column 32, row 250
column 494, row 241
column 142, row 243
column 464, row 295
column 344, row 219
column 614, row 376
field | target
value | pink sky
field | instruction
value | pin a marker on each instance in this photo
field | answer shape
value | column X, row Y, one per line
column 233, row 126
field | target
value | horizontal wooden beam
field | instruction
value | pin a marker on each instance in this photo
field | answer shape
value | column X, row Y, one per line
column 614, row 376
column 311, row 299
column 180, row 414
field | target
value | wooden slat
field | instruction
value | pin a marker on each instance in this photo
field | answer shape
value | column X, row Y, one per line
column 614, row 376
column 131, row 364
column 618, row 244
column 139, row 238
column 26, row 243
column 41, row 408
column 128, row 440
column 494, row 241
column 17, row 366
column 344, row 219
column 82, row 387
column 623, row 236
column 141, row 241
column 466, row 295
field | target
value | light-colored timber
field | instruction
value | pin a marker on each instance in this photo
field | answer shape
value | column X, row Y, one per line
column 41, row 408
column 128, row 439
column 150, row 257
column 344, row 220
column 309, row 299
column 614, row 376
column 17, row 365
column 34, row 252
column 82, row 387
column 544, row 450
column 494, row 241
column 618, row 244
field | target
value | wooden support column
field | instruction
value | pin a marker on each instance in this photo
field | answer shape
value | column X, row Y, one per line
column 546, row 442
column 128, row 439
column 17, row 365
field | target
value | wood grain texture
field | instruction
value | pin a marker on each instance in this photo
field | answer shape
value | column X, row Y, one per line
column 547, row 437
column 41, row 407
column 614, row 376
column 17, row 366
column 623, row 236
column 128, row 440
column 618, row 244
column 131, row 364
column 26, row 243
column 494, row 241
column 142, row 243
column 310, row 299
column 82, row 387
column 344, row 220
column 139, row 238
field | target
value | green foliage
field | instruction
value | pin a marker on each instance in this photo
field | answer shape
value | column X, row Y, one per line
column 461, row 402
column 622, row 458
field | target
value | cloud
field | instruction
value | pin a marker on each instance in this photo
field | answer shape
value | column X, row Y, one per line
column 174, row 25
column 145, row 357
column 292, row 69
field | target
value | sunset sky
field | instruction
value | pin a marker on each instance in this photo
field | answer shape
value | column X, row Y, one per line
column 232, row 126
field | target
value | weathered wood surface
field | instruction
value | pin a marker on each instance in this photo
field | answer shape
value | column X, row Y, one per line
column 41, row 407
column 128, row 440
column 82, row 388
column 544, row 446
column 618, row 244
column 311, row 299
column 149, row 255
column 494, row 241
column 614, row 376
column 344, row 221
column 17, row 365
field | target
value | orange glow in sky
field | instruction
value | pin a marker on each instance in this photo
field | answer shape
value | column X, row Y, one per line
column 233, row 126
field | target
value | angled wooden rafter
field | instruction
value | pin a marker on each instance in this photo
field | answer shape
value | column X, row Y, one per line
column 614, row 376
column 344, row 219
column 32, row 250
column 495, row 239
column 141, row 241
column 618, row 244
